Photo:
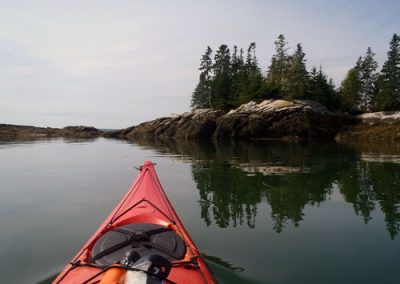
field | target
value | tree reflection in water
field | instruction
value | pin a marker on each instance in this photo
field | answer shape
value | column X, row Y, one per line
column 234, row 178
column 369, row 184
column 286, row 176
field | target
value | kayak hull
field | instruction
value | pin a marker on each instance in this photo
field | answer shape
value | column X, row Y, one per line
column 145, row 202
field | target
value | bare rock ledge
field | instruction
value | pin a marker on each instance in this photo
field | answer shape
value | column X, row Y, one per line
column 270, row 119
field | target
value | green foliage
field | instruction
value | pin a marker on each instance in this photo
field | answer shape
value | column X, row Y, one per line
column 232, row 80
column 202, row 94
column 350, row 91
column 277, row 71
column 254, row 77
column 239, row 77
column 388, row 97
column 296, row 83
column 236, row 61
column 221, row 93
column 359, row 88
column 368, row 81
column 248, row 82
column 321, row 89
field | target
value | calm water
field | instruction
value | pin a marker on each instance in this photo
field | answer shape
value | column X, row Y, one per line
column 261, row 212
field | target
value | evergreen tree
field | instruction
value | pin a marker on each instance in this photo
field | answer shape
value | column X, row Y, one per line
column 359, row 89
column 255, row 79
column 389, row 81
column 236, row 61
column 202, row 94
column 277, row 71
column 368, row 80
column 321, row 89
column 296, row 85
column 350, row 91
column 256, row 85
column 234, row 80
column 239, row 78
column 251, row 59
column 221, row 93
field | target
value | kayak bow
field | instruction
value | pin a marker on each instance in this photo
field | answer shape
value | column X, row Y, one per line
column 141, row 241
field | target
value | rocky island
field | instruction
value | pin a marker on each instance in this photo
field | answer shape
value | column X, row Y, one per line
column 234, row 100
column 270, row 119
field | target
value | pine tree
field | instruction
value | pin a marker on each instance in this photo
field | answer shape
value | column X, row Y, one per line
column 235, row 61
column 221, row 87
column 350, row 91
column 254, row 76
column 389, row 81
column 256, row 84
column 251, row 59
column 368, row 79
column 321, row 89
column 201, row 96
column 239, row 78
column 296, row 85
column 277, row 71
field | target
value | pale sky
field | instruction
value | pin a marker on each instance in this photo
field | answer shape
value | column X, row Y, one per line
column 114, row 64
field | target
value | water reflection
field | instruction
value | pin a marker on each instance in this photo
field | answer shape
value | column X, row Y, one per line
column 222, row 262
column 369, row 185
column 32, row 141
column 234, row 178
column 286, row 176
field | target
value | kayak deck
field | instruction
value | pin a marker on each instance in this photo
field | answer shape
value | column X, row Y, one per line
column 144, row 206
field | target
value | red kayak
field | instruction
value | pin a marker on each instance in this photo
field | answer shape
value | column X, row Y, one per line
column 141, row 241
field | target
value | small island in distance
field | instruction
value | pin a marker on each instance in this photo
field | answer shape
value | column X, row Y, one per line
column 233, row 100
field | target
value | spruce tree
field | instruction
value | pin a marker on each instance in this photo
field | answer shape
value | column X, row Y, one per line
column 277, row 71
column 251, row 59
column 296, row 85
column 322, row 89
column 254, row 89
column 236, row 61
column 239, row 78
column 368, row 80
column 221, row 93
column 201, row 96
column 389, row 81
column 359, row 89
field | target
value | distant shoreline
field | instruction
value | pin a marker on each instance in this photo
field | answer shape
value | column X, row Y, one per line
column 10, row 131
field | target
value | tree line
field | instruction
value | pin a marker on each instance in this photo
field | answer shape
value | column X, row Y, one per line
column 230, row 79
